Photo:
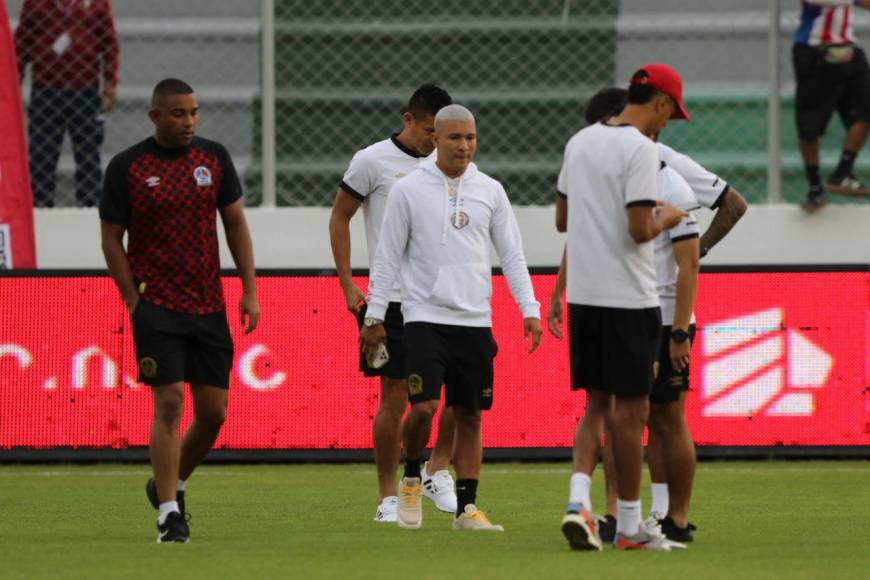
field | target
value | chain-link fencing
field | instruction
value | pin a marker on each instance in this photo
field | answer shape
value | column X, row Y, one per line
column 73, row 132
column 344, row 69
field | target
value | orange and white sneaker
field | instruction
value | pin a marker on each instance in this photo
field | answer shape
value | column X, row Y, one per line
column 473, row 519
column 580, row 528
column 409, row 514
column 646, row 538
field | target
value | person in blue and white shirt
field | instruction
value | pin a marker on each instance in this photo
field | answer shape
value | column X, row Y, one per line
column 440, row 223
column 832, row 74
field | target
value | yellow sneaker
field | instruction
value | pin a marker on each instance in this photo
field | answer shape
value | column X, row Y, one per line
column 410, row 512
column 473, row 519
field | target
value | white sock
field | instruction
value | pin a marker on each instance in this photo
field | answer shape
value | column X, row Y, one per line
column 580, row 484
column 627, row 517
column 659, row 498
column 181, row 484
column 166, row 508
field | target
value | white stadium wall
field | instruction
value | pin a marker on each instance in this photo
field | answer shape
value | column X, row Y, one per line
column 298, row 237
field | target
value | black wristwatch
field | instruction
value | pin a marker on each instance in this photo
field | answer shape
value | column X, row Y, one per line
column 679, row 335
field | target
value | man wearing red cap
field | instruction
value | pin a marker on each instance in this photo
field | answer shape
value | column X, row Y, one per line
column 609, row 204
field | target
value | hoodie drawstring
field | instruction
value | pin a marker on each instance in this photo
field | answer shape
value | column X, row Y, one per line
column 454, row 219
column 444, row 213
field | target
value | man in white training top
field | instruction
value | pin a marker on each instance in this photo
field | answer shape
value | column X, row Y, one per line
column 609, row 186
column 439, row 226
column 670, row 449
column 367, row 183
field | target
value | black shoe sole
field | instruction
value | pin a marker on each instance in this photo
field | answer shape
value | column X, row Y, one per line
column 577, row 537
column 175, row 541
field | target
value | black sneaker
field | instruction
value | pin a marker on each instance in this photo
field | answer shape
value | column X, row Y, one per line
column 816, row 200
column 607, row 528
column 847, row 185
column 151, row 492
column 675, row 533
column 173, row 529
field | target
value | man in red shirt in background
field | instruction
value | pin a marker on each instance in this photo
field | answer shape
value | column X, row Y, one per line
column 72, row 47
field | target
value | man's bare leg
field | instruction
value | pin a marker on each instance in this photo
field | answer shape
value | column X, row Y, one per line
column 856, row 136
column 608, row 461
column 209, row 414
column 656, row 458
column 387, row 434
column 442, row 451
column 628, row 420
column 164, row 448
column 679, row 458
column 578, row 526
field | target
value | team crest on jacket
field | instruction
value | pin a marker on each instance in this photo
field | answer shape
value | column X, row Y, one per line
column 202, row 176
column 459, row 219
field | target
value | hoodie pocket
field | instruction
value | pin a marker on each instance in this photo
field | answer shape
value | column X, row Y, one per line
column 462, row 287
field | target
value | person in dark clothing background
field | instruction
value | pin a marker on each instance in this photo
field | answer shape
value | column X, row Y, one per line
column 72, row 49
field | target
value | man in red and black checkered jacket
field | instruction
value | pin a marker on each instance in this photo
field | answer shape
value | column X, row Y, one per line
column 164, row 193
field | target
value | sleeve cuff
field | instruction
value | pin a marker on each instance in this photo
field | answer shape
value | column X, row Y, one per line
column 376, row 310
column 721, row 197
column 351, row 191
column 531, row 310
column 641, row 203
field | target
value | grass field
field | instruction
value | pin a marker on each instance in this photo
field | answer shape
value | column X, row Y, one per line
column 756, row 520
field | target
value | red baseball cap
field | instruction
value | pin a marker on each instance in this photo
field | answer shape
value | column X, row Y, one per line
column 667, row 80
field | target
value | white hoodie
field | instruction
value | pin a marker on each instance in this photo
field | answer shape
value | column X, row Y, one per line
column 439, row 245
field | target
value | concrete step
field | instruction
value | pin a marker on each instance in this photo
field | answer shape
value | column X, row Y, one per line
column 226, row 115
column 443, row 11
column 200, row 51
column 491, row 54
column 532, row 182
column 173, row 8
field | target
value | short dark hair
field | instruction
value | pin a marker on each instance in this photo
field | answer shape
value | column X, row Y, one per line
column 642, row 94
column 607, row 102
column 168, row 87
column 427, row 100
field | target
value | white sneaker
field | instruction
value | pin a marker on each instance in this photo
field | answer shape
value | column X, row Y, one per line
column 647, row 538
column 387, row 511
column 654, row 521
column 409, row 514
column 473, row 519
column 439, row 488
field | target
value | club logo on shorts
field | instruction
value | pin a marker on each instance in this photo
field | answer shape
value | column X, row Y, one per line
column 487, row 393
column 459, row 220
column 148, row 366
column 677, row 381
column 202, row 176
column 415, row 384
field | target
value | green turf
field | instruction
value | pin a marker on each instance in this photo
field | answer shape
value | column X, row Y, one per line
column 756, row 520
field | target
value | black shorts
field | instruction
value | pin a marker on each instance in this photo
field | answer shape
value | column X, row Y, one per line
column 669, row 382
column 395, row 327
column 175, row 346
column 614, row 349
column 824, row 86
column 458, row 357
